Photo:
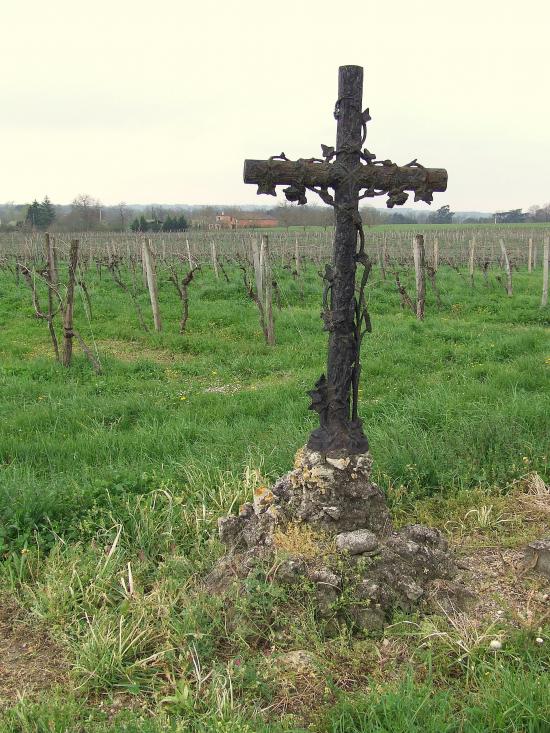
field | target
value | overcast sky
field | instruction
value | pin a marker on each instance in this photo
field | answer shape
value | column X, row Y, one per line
column 161, row 101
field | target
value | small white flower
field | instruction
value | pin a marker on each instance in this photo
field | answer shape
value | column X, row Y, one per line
column 495, row 645
column 539, row 640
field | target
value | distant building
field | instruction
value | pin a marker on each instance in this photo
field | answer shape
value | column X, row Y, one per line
column 260, row 222
column 226, row 221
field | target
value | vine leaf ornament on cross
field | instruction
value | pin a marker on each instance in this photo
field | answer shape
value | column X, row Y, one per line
column 353, row 173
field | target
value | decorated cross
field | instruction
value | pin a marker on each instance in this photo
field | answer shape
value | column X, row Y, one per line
column 353, row 173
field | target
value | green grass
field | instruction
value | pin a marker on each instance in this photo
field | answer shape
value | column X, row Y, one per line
column 454, row 402
column 133, row 467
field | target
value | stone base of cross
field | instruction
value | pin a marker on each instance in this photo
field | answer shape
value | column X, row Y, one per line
column 343, row 176
column 361, row 566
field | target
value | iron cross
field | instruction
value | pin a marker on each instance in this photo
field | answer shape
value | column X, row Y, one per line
column 355, row 174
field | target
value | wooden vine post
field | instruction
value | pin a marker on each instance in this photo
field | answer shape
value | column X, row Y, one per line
column 382, row 259
column 507, row 269
column 53, row 290
column 143, row 264
column 297, row 257
column 263, row 296
column 267, row 290
column 530, row 256
column 420, row 273
column 152, row 283
column 190, row 259
column 348, row 169
column 258, row 269
column 215, row 260
column 545, row 258
column 471, row 263
column 69, row 305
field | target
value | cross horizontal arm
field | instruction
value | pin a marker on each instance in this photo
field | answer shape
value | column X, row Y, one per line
column 310, row 173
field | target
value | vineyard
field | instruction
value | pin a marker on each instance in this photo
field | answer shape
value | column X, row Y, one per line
column 387, row 244
column 136, row 263
column 151, row 384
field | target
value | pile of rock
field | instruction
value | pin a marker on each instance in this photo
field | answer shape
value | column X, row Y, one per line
column 360, row 553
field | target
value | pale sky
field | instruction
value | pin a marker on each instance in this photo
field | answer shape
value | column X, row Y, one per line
column 162, row 101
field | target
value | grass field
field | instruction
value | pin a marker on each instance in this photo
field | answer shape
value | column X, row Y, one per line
column 110, row 487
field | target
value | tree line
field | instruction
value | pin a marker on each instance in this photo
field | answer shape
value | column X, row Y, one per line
column 86, row 213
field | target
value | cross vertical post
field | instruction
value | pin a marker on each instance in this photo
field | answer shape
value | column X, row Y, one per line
column 339, row 429
column 347, row 169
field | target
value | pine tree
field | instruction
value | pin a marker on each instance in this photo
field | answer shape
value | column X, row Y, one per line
column 41, row 215
column 33, row 214
column 47, row 212
column 181, row 224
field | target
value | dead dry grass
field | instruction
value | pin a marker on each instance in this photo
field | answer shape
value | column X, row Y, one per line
column 131, row 351
column 126, row 351
column 490, row 544
column 532, row 496
column 300, row 540
column 505, row 589
column 30, row 661
column 224, row 388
